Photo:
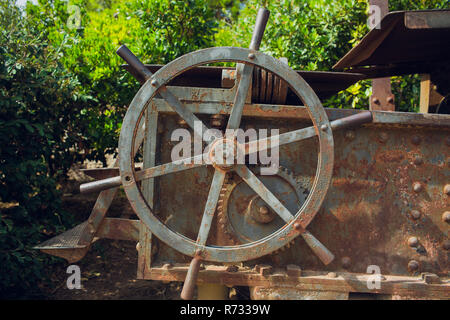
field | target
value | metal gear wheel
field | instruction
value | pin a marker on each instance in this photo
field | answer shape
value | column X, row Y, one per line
column 244, row 217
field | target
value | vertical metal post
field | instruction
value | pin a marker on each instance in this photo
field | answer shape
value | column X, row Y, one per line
column 149, row 155
column 382, row 98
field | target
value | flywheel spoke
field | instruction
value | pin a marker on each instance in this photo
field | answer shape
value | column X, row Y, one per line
column 316, row 246
column 306, row 133
column 169, row 97
column 250, row 178
column 210, row 208
column 153, row 172
column 241, row 94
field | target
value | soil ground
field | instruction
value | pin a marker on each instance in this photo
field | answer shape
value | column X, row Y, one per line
column 108, row 271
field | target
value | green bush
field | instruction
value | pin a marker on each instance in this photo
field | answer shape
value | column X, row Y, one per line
column 157, row 31
column 315, row 34
column 63, row 93
column 41, row 125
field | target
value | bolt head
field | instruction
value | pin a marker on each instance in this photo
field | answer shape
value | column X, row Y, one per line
column 298, row 226
column 416, row 140
column 418, row 161
column 447, row 189
column 346, row 262
column 324, row 127
column 251, row 56
column 390, row 100
column 383, row 137
column 413, row 265
column 415, row 214
column 413, row 242
column 154, row 82
column 417, row 187
column 376, row 101
column 263, row 210
column 350, row 135
column 446, row 245
column 446, row 216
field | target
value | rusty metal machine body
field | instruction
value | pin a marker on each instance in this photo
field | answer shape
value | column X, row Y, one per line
column 354, row 189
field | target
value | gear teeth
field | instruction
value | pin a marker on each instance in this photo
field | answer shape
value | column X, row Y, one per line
column 231, row 182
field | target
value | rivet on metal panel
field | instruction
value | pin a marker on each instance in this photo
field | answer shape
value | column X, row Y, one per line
column 447, row 189
column 154, row 82
column 418, row 161
column 182, row 123
column 417, row 187
column 446, row 216
column 217, row 120
column 390, row 100
column 293, row 270
column 413, row 242
column 350, row 135
column 416, row 140
column 413, row 265
column 415, row 214
column 298, row 226
column 383, row 137
column 251, row 56
column 138, row 246
column 346, row 262
column 324, row 127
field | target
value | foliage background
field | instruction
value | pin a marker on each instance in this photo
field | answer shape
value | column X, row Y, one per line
column 63, row 93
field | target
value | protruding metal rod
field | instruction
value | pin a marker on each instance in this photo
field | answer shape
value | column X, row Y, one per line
column 318, row 248
column 260, row 26
column 247, row 71
column 172, row 100
column 101, row 185
column 354, row 120
column 153, row 172
column 133, row 61
column 191, row 279
column 253, row 146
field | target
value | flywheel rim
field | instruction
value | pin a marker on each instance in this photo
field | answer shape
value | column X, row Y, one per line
column 322, row 178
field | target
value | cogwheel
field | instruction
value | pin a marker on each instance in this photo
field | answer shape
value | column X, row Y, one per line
column 238, row 203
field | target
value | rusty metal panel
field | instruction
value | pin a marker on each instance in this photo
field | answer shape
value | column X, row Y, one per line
column 367, row 215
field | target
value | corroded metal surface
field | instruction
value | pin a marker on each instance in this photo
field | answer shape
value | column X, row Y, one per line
column 371, row 209
column 339, row 282
column 318, row 116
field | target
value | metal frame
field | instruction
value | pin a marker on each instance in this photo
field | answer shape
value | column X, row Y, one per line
column 136, row 112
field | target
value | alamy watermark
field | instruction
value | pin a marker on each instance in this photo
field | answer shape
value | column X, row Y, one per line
column 374, row 17
column 74, row 20
column 74, row 280
column 374, row 280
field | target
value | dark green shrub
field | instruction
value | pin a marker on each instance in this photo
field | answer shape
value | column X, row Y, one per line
column 41, row 126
